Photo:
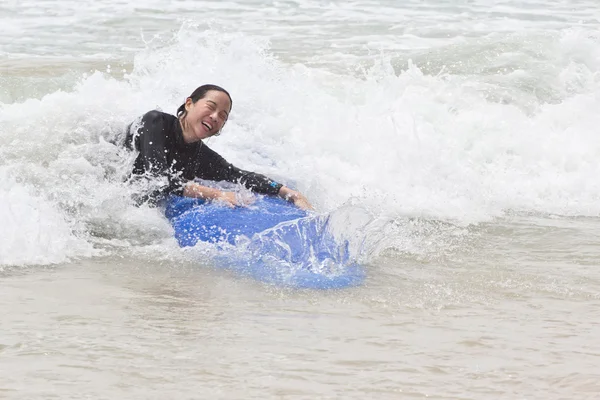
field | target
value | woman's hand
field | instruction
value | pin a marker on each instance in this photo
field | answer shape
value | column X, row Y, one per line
column 295, row 197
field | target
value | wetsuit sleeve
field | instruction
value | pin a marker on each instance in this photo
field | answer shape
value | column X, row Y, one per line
column 151, row 142
column 215, row 168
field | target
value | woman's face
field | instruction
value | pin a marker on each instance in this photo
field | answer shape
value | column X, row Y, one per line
column 207, row 116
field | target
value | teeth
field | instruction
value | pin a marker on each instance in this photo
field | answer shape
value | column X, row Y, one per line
column 207, row 125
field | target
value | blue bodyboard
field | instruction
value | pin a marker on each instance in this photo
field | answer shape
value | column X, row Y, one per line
column 271, row 240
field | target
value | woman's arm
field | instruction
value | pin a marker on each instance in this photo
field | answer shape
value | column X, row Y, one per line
column 192, row 189
column 213, row 167
column 216, row 168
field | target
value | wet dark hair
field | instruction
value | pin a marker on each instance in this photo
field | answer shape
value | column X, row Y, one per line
column 199, row 93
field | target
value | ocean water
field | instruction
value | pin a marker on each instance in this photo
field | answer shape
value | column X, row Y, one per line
column 458, row 138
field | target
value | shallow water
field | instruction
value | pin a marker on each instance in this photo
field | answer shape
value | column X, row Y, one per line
column 477, row 324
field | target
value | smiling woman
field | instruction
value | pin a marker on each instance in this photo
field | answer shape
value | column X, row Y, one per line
column 171, row 147
column 204, row 113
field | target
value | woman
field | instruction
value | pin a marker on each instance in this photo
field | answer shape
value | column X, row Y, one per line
column 171, row 146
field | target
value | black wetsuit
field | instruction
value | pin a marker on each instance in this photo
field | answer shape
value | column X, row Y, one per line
column 163, row 152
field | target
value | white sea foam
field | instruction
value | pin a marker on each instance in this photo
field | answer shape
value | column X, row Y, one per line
column 401, row 139
column 34, row 232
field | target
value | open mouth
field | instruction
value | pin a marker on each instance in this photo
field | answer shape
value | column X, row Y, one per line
column 207, row 126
